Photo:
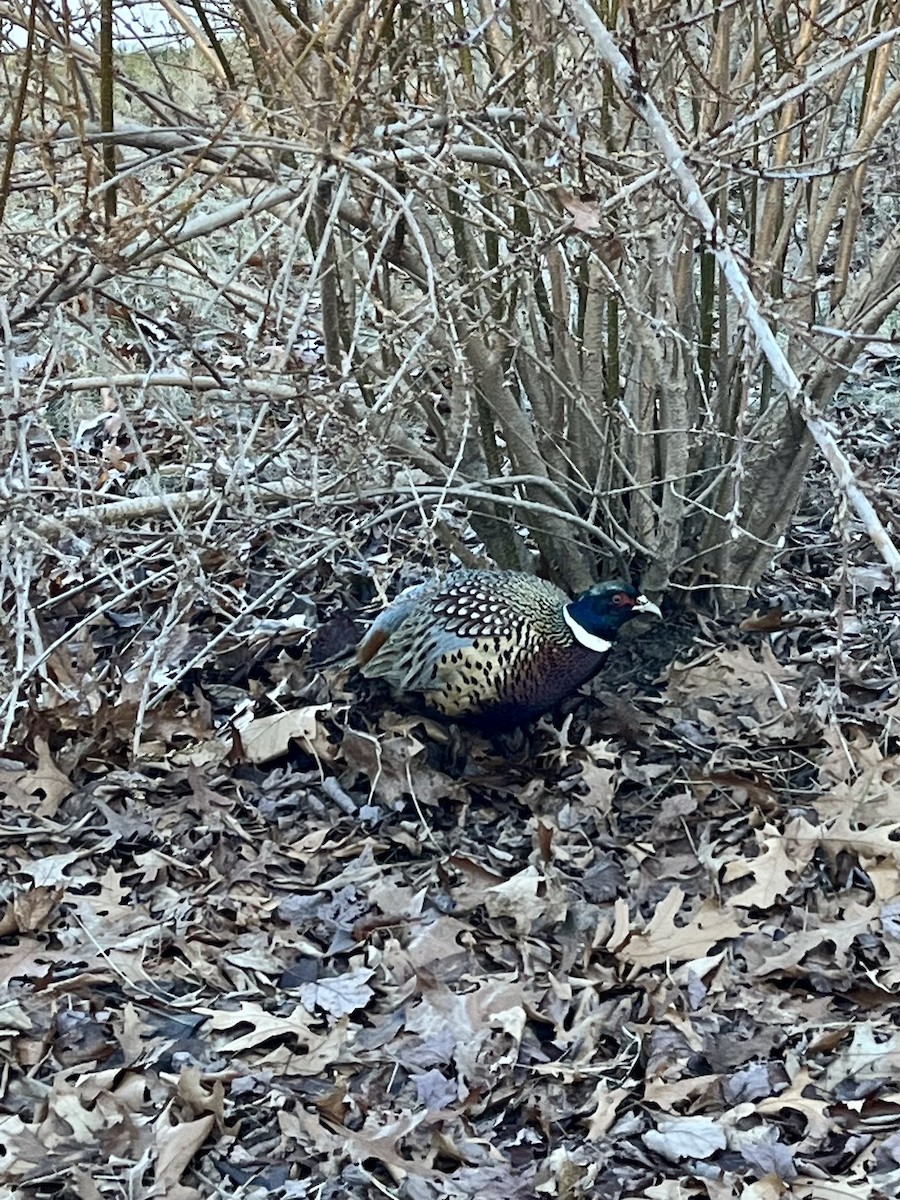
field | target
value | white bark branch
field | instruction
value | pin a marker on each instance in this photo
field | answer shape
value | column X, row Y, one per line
column 633, row 89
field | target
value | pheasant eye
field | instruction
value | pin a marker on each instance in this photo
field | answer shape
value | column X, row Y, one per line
column 620, row 598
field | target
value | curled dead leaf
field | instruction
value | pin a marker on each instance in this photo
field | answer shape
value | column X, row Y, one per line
column 265, row 738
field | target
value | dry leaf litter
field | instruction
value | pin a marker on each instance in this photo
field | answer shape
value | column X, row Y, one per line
column 263, row 937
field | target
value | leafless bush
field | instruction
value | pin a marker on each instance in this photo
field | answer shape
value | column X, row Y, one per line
column 522, row 317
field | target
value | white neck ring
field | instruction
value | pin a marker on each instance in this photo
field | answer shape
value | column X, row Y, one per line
column 598, row 644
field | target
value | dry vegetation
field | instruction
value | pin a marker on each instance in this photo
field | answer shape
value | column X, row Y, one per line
column 301, row 308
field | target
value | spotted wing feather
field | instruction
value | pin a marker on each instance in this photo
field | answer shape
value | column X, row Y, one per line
column 469, row 642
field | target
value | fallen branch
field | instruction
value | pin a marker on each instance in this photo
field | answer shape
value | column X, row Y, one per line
column 223, row 385
column 632, row 88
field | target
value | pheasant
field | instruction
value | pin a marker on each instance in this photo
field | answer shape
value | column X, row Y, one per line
column 494, row 649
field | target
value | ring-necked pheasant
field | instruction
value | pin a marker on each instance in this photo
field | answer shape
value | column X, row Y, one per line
column 494, row 648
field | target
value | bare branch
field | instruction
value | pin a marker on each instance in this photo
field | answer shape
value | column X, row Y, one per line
column 632, row 87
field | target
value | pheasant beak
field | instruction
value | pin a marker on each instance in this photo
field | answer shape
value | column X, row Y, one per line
column 643, row 605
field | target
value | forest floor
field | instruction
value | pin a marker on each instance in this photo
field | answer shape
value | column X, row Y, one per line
column 264, row 935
